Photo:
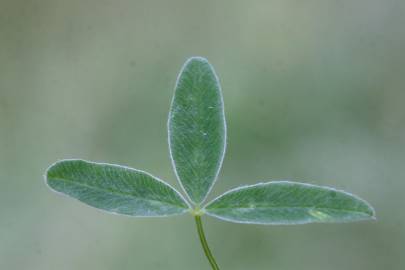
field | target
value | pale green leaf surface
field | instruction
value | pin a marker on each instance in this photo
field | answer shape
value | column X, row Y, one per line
column 114, row 188
column 284, row 202
column 197, row 131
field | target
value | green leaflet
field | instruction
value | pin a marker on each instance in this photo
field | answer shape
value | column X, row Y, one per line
column 197, row 131
column 115, row 188
column 288, row 203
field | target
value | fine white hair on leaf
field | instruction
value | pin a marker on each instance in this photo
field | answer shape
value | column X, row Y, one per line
column 219, row 164
column 112, row 211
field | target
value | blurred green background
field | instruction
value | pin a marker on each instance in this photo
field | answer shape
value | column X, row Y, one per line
column 314, row 91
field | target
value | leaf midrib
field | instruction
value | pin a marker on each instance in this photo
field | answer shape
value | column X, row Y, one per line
column 286, row 207
column 113, row 192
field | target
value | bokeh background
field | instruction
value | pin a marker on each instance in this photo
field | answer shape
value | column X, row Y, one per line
column 314, row 91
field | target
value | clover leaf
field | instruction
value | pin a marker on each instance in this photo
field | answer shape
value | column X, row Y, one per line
column 197, row 140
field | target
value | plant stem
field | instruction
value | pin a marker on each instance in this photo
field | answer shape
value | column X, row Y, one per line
column 204, row 243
